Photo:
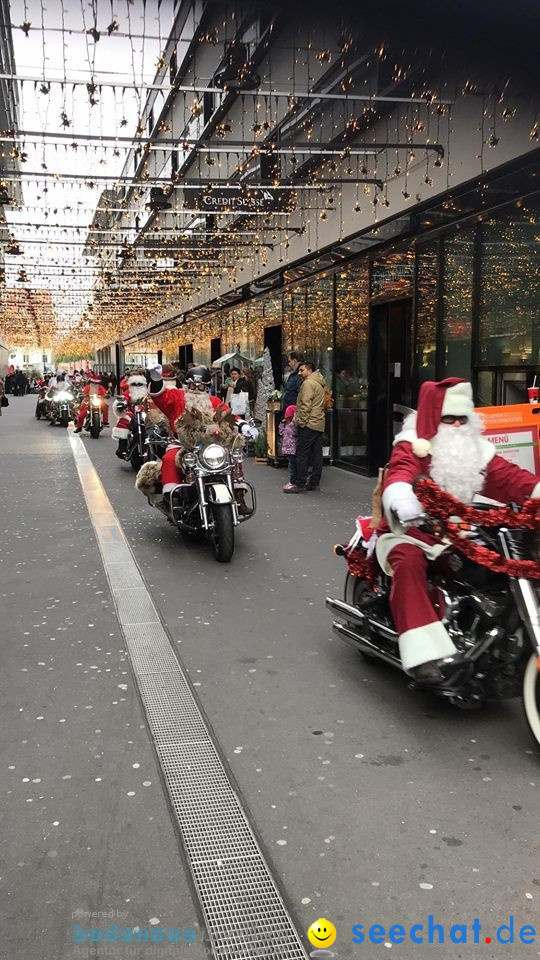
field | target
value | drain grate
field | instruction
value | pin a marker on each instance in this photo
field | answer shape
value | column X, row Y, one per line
column 244, row 912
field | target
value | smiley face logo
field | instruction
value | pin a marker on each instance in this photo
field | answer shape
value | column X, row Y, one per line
column 322, row 933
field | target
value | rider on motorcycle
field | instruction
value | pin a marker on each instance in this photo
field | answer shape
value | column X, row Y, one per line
column 94, row 386
column 443, row 440
column 134, row 388
column 173, row 402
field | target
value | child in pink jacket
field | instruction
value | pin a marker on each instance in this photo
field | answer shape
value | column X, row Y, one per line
column 289, row 438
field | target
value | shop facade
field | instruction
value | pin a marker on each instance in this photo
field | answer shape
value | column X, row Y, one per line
column 453, row 290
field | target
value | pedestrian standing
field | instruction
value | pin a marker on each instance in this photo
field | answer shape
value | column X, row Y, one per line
column 293, row 382
column 2, row 394
column 310, row 421
column 289, row 439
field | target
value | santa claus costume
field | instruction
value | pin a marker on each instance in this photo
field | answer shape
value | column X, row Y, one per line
column 134, row 389
column 444, row 441
column 93, row 387
column 174, row 402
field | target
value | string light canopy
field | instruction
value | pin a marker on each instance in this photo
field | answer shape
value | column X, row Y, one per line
column 158, row 150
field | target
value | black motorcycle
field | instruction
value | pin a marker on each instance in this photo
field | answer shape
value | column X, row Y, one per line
column 94, row 421
column 42, row 404
column 213, row 498
column 136, row 449
column 489, row 599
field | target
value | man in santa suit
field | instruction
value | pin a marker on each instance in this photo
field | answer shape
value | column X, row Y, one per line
column 134, row 388
column 173, row 402
column 443, row 440
column 92, row 388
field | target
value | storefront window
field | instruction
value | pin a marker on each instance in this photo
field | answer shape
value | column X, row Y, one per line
column 351, row 362
column 458, row 261
column 426, row 311
column 320, row 317
column 310, row 308
column 392, row 274
column 510, row 289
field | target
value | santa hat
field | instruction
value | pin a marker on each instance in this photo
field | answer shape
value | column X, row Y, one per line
column 136, row 379
column 290, row 411
column 94, row 378
column 450, row 397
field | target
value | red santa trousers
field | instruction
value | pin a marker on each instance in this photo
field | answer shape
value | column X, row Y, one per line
column 170, row 474
column 121, row 430
column 422, row 636
column 84, row 410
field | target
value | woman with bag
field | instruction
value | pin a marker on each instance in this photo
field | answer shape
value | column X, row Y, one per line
column 239, row 402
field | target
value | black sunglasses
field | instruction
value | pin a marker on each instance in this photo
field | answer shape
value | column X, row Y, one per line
column 197, row 386
column 451, row 419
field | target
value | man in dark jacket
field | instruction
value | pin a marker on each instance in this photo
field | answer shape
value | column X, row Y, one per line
column 293, row 384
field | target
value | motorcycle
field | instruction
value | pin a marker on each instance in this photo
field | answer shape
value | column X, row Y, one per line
column 136, row 450
column 212, row 498
column 42, row 404
column 487, row 584
column 156, row 442
column 94, row 417
column 62, row 408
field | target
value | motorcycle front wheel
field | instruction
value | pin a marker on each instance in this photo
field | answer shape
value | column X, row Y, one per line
column 64, row 420
column 223, row 533
column 94, row 426
column 531, row 696
column 136, row 460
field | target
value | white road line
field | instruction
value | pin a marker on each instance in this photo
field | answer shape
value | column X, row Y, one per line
column 243, row 908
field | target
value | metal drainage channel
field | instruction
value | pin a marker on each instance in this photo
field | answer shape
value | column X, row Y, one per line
column 243, row 910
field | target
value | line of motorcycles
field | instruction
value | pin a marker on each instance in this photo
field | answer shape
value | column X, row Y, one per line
column 61, row 407
column 494, row 619
column 214, row 496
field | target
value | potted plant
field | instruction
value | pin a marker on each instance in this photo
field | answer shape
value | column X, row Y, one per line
column 274, row 400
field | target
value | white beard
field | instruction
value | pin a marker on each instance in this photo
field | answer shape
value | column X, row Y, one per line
column 457, row 459
column 196, row 400
column 137, row 392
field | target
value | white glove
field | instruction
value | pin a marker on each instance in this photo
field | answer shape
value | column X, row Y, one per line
column 407, row 508
column 156, row 373
column 248, row 431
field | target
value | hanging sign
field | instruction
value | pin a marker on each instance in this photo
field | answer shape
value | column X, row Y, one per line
column 514, row 431
column 241, row 199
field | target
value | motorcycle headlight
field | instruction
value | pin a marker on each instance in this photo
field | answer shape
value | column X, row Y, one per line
column 238, row 456
column 189, row 460
column 62, row 395
column 96, row 401
column 214, row 456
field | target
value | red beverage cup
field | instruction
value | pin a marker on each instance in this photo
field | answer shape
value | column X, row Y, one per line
column 533, row 394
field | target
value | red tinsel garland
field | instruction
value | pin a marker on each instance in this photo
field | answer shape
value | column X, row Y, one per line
column 441, row 505
column 362, row 566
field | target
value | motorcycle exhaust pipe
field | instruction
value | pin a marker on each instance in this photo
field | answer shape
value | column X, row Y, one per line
column 360, row 643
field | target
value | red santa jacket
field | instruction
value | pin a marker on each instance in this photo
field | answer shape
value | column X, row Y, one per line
column 101, row 390
column 172, row 402
column 504, row 481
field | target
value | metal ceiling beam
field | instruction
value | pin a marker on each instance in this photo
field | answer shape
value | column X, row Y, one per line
column 211, row 146
column 200, row 88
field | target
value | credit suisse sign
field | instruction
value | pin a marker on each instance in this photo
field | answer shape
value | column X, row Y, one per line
column 239, row 199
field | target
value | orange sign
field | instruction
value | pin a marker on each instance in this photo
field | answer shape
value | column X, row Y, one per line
column 515, row 431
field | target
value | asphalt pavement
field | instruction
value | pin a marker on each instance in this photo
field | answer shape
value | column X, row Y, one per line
column 374, row 804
